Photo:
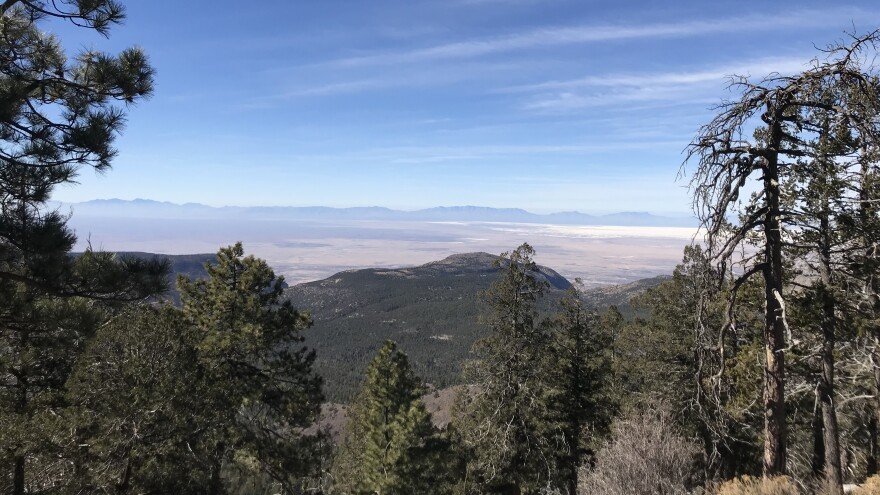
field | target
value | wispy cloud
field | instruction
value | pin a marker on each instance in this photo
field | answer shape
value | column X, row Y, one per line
column 375, row 81
column 439, row 154
column 555, row 36
column 757, row 68
column 325, row 89
column 686, row 87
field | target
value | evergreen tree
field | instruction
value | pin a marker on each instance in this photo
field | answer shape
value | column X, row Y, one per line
column 578, row 366
column 772, row 162
column 505, row 425
column 249, row 345
column 57, row 115
column 389, row 445
column 138, row 412
column 44, row 337
column 671, row 353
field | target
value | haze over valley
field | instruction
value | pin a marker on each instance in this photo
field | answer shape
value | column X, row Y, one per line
column 306, row 244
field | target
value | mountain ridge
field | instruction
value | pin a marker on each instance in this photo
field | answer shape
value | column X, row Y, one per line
column 435, row 312
column 147, row 208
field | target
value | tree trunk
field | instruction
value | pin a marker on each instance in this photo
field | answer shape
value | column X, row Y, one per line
column 871, row 462
column 18, row 475
column 832, row 468
column 124, row 484
column 870, row 289
column 875, row 409
column 775, row 434
column 215, row 485
column 817, row 463
column 829, row 419
column 575, row 456
column 774, row 399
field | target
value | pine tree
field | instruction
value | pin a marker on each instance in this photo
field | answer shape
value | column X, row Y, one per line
column 138, row 411
column 57, row 115
column 504, row 423
column 389, row 445
column 249, row 344
column 674, row 354
column 578, row 367
column 732, row 166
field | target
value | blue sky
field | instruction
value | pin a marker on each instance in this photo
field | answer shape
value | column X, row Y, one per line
column 545, row 105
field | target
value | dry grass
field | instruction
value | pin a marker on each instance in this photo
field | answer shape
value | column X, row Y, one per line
column 748, row 485
column 871, row 486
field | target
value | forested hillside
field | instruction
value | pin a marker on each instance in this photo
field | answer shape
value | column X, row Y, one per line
column 435, row 313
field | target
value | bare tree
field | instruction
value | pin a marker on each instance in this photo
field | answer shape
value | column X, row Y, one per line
column 753, row 178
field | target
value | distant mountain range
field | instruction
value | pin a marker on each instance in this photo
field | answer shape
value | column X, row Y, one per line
column 145, row 208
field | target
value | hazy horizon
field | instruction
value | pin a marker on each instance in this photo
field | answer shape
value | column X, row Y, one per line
column 545, row 105
column 312, row 250
column 538, row 211
column 548, row 106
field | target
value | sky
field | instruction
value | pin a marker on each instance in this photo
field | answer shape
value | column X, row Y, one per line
column 546, row 105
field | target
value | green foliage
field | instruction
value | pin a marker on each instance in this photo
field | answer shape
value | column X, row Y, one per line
column 139, row 408
column 390, row 445
column 191, row 266
column 672, row 354
column 210, row 398
column 504, row 426
column 654, row 356
column 56, row 116
column 248, row 344
column 41, row 340
column 798, row 189
column 432, row 312
column 578, row 373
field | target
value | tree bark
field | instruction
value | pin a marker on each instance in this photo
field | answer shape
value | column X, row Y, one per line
column 871, row 462
column 18, row 472
column 775, row 434
column 871, row 290
column 215, row 485
column 817, row 463
column 875, row 413
column 124, row 484
column 18, row 476
column 832, row 469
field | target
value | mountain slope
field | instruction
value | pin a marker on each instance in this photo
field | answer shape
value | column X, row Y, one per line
column 432, row 311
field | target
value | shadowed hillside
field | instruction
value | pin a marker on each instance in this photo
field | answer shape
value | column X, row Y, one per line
column 432, row 311
column 189, row 265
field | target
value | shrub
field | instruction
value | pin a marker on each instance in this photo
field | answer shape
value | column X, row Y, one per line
column 748, row 485
column 647, row 455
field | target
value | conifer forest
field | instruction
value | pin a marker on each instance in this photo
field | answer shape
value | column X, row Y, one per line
column 754, row 368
